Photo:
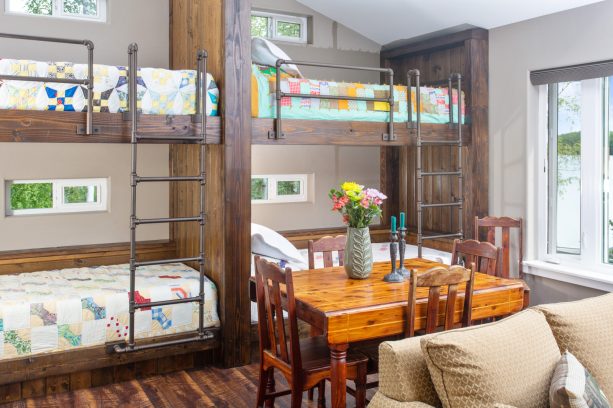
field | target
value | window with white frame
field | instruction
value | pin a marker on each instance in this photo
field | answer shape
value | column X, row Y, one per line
column 31, row 197
column 579, row 165
column 93, row 10
column 279, row 188
column 279, row 27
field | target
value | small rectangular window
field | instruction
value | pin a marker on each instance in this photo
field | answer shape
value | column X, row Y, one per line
column 75, row 9
column 279, row 26
column 29, row 197
column 284, row 188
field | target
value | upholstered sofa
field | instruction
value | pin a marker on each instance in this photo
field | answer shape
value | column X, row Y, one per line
column 508, row 363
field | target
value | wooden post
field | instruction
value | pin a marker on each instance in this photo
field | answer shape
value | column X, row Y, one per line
column 222, row 28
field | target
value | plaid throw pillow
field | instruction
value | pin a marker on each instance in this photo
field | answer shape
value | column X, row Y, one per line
column 572, row 386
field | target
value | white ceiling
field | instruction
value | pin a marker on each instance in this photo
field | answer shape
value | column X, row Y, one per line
column 384, row 21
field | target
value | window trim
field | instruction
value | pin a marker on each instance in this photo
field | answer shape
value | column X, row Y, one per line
column 59, row 206
column 274, row 179
column 276, row 17
column 567, row 267
column 58, row 13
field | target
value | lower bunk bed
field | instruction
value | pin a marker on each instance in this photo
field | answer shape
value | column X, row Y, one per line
column 57, row 327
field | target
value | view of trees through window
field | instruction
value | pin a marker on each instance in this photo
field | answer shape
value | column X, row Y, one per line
column 31, row 195
column 80, row 194
column 259, row 189
column 288, row 187
column 277, row 26
column 75, row 7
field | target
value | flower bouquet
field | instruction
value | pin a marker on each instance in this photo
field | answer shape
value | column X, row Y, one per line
column 358, row 206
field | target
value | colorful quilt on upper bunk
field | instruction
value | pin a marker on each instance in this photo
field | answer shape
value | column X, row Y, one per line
column 160, row 91
column 434, row 101
column 70, row 308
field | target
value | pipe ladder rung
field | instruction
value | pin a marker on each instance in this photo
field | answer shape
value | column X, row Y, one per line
column 438, row 236
column 138, row 264
column 145, row 221
column 150, row 179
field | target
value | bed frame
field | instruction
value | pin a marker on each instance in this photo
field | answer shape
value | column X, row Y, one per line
column 222, row 28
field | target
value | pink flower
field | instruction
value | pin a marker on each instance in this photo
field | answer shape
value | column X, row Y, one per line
column 374, row 193
column 365, row 202
column 346, row 219
column 378, row 201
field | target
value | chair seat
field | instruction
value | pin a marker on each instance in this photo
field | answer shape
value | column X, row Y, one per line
column 370, row 349
column 316, row 354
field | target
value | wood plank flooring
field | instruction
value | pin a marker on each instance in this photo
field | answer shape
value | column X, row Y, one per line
column 198, row 388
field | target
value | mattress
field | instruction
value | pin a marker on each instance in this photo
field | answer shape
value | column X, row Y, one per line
column 434, row 101
column 51, row 311
column 159, row 91
column 380, row 252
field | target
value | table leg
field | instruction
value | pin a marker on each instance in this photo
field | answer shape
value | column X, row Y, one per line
column 338, row 380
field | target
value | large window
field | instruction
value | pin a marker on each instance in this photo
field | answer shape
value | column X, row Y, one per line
column 80, row 9
column 29, row 197
column 279, row 27
column 279, row 188
column 579, row 211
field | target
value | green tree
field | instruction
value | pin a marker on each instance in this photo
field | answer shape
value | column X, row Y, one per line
column 288, row 187
column 82, row 7
column 31, row 195
column 259, row 189
column 40, row 7
column 259, row 26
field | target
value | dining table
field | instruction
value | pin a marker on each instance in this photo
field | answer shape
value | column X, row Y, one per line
column 348, row 311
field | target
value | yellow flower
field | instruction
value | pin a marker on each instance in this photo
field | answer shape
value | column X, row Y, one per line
column 351, row 187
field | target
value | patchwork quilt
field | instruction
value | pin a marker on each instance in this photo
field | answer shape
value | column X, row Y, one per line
column 66, row 309
column 434, row 101
column 160, row 91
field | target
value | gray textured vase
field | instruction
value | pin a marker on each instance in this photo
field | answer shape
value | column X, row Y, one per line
column 358, row 253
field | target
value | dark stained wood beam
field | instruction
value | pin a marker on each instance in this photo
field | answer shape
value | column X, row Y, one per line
column 236, row 111
column 346, row 133
column 61, row 127
column 433, row 44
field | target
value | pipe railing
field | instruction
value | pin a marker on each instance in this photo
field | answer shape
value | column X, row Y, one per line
column 277, row 133
column 89, row 82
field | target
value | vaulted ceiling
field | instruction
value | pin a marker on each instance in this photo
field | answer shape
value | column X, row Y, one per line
column 385, row 21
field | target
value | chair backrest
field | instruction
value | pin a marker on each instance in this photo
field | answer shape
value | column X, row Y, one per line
column 504, row 223
column 484, row 255
column 327, row 245
column 434, row 279
column 271, row 325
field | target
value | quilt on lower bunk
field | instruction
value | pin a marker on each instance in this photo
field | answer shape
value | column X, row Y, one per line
column 434, row 101
column 160, row 91
column 71, row 308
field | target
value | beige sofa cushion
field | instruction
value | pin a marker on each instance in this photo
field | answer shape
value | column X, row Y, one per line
column 508, row 362
column 403, row 373
column 585, row 328
column 381, row 401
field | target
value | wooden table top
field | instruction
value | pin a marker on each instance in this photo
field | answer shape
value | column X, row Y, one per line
column 330, row 291
column 350, row 310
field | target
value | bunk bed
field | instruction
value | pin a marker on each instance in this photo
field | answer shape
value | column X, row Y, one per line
column 43, row 101
column 74, row 322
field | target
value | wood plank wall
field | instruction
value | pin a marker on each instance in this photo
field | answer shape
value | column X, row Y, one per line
column 222, row 28
column 465, row 53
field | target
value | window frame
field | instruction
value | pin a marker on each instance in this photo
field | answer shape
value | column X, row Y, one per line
column 276, row 17
column 274, row 197
column 57, row 12
column 592, row 224
column 59, row 206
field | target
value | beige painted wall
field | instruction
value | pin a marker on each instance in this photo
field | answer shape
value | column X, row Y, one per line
column 330, row 165
column 142, row 21
column 572, row 37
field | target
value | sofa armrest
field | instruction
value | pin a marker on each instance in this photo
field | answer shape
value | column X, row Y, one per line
column 381, row 401
column 403, row 373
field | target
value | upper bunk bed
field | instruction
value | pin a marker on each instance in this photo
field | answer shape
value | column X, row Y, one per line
column 68, row 102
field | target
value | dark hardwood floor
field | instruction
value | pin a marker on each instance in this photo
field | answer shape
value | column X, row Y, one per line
column 198, row 388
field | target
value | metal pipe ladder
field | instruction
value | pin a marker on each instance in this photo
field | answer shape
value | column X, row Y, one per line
column 135, row 180
column 421, row 206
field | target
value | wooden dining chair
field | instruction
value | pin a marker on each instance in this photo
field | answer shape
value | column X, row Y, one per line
column 304, row 364
column 505, row 224
column 436, row 279
column 327, row 245
column 484, row 255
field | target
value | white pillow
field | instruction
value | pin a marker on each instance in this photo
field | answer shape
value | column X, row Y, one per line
column 264, row 52
column 269, row 243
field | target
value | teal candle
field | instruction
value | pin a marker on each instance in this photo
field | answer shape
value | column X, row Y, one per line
column 401, row 220
column 393, row 223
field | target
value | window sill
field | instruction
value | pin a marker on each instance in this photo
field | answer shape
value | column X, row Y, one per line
column 571, row 274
